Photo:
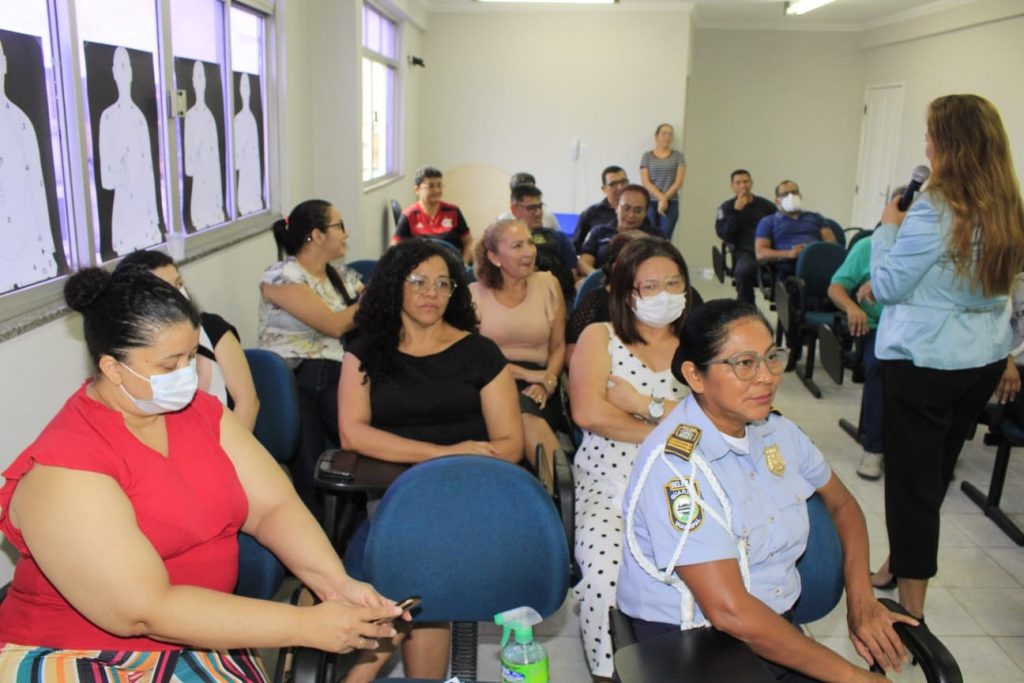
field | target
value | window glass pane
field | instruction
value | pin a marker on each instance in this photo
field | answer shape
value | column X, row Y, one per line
column 248, row 124
column 388, row 39
column 122, row 82
column 367, row 136
column 34, row 232
column 371, row 28
column 197, row 32
column 378, row 108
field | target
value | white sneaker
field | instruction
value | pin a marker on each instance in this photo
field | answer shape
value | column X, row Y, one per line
column 870, row 466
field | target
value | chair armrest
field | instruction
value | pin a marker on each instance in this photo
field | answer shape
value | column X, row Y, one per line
column 565, row 501
column 936, row 662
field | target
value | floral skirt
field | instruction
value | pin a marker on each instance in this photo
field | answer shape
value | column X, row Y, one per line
column 47, row 665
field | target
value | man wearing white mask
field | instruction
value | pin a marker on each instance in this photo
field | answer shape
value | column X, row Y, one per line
column 784, row 235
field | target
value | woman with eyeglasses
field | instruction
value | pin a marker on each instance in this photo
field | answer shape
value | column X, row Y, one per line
column 716, row 516
column 420, row 383
column 620, row 387
column 522, row 310
column 306, row 309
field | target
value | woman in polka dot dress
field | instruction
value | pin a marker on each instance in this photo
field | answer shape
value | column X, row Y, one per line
column 621, row 386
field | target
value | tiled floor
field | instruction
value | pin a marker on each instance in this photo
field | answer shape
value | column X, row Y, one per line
column 975, row 604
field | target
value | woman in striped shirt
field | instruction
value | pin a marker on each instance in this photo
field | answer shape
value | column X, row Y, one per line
column 662, row 170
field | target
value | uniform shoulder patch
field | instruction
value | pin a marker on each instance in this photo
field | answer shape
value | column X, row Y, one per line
column 683, row 509
column 682, row 441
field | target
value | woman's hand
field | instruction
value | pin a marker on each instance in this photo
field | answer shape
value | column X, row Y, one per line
column 359, row 594
column 537, row 393
column 623, row 396
column 663, row 206
column 1009, row 383
column 337, row 627
column 892, row 214
column 470, row 448
column 873, row 636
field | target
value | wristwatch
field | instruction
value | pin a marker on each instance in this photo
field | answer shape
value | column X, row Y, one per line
column 656, row 409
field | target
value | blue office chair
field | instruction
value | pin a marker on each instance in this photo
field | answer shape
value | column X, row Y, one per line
column 803, row 304
column 821, row 588
column 473, row 536
column 364, row 267
column 591, row 282
column 396, row 210
column 277, row 427
column 448, row 245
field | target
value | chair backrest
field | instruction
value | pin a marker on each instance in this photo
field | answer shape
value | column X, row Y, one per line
column 364, row 267
column 449, row 245
column 589, row 284
column 820, row 568
column 837, row 230
column 277, row 425
column 396, row 210
column 816, row 265
column 858, row 235
column 473, row 536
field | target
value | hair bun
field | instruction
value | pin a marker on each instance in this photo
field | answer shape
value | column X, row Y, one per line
column 84, row 287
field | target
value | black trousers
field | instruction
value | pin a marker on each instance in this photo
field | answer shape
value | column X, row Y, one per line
column 928, row 414
column 317, row 380
column 744, row 272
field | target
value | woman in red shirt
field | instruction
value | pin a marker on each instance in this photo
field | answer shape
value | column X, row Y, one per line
column 126, row 512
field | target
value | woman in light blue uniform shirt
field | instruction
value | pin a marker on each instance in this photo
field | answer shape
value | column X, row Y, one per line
column 716, row 513
column 943, row 271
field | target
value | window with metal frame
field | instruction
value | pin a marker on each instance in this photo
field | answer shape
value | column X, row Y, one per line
column 380, row 95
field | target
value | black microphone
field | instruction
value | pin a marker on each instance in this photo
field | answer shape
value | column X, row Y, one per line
column 917, row 179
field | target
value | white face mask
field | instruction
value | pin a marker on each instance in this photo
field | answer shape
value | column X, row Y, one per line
column 791, row 203
column 659, row 310
column 172, row 391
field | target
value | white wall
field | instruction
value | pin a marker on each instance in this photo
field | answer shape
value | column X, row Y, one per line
column 782, row 104
column 512, row 88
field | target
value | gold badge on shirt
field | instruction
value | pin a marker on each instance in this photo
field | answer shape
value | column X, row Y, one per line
column 682, row 441
column 773, row 459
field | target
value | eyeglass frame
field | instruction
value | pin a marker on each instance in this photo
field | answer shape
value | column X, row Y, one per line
column 339, row 224
column 419, row 283
column 758, row 360
column 531, row 208
column 663, row 287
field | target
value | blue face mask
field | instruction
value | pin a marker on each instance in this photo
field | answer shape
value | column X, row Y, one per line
column 171, row 391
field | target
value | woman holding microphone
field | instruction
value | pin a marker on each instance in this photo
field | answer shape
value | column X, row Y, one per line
column 943, row 271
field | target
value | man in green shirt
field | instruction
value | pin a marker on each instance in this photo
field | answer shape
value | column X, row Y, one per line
column 851, row 292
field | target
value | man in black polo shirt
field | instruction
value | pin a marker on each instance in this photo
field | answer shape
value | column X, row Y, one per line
column 554, row 250
column 736, row 223
column 630, row 214
column 613, row 179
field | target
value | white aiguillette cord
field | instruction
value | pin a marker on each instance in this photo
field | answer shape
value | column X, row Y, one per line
column 669, row 576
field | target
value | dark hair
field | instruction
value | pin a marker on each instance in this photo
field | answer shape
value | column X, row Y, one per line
column 621, row 289
column 124, row 310
column 292, row 233
column 379, row 317
column 620, row 240
column 640, row 189
column 522, row 191
column 662, row 125
column 148, row 259
column 521, row 178
column 488, row 274
column 707, row 330
column 609, row 170
column 739, row 171
column 783, row 183
column 424, row 172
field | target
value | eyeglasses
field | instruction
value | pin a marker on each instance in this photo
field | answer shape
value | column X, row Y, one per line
column 532, row 208
column 431, row 185
column 618, row 183
column 419, row 284
column 746, row 364
column 674, row 284
column 339, row 224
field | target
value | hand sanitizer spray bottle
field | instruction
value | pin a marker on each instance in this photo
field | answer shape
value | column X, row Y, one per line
column 522, row 661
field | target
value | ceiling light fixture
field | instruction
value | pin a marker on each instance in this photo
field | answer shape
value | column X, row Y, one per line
column 804, row 6
column 553, row 2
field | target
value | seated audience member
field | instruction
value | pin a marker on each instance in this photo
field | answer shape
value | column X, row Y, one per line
column 522, row 311
column 554, row 248
column 163, row 478
column 630, row 214
column 720, row 464
column 781, row 236
column 307, row 307
column 621, row 386
column 431, row 217
column 850, row 291
column 613, row 179
column 523, row 178
column 220, row 360
column 736, row 223
column 419, row 383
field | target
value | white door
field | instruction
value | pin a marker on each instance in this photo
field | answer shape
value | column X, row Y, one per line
column 879, row 142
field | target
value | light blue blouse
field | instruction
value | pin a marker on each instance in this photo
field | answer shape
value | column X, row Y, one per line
column 932, row 317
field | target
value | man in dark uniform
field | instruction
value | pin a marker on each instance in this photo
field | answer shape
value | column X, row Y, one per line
column 613, row 179
column 736, row 223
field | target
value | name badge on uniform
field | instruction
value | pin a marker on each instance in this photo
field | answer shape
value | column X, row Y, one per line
column 683, row 509
column 773, row 459
column 682, row 441
column 539, row 238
